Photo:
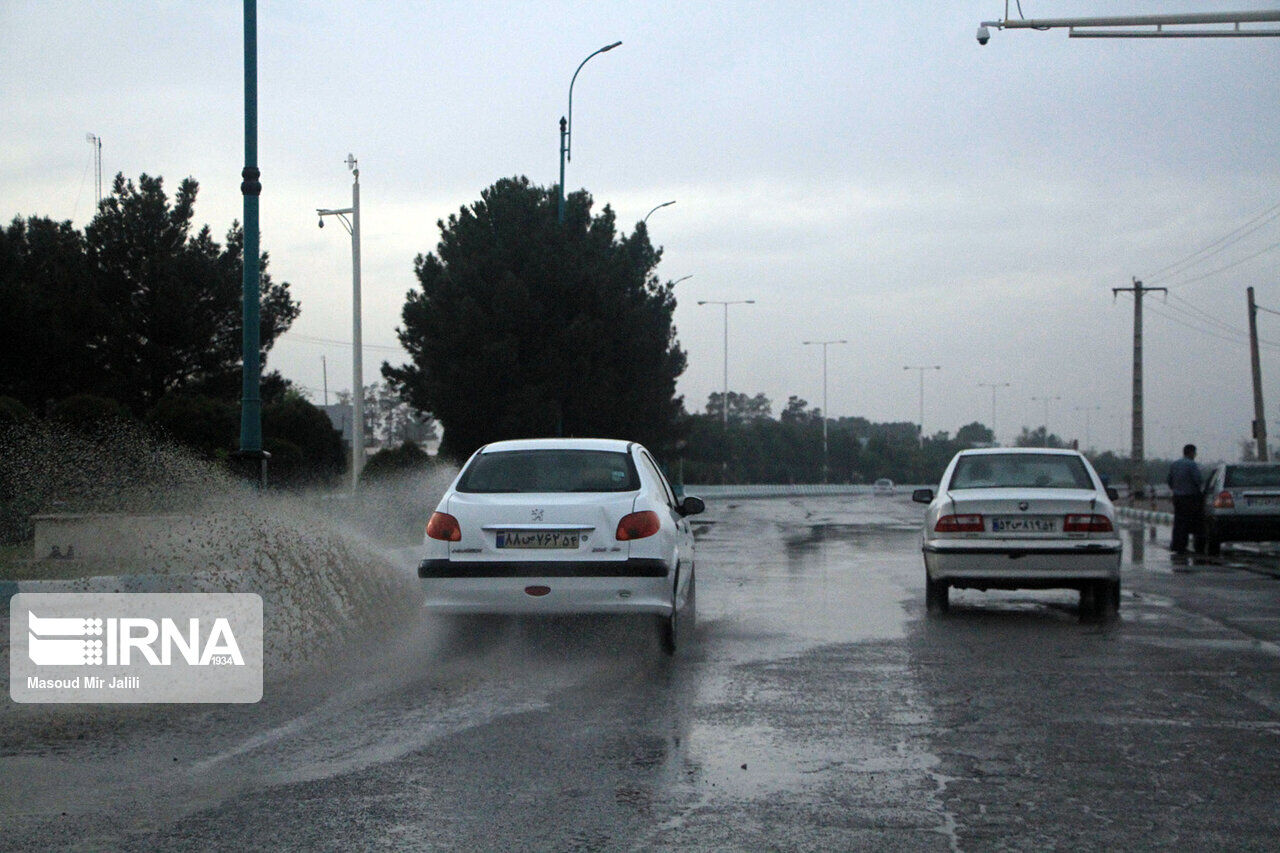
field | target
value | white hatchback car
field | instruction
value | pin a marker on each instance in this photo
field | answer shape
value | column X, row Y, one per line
column 563, row 526
column 1022, row 518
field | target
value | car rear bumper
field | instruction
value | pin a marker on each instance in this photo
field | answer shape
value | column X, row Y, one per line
column 548, row 595
column 1022, row 565
column 634, row 567
column 1245, row 528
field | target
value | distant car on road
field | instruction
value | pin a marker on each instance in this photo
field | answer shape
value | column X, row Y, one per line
column 1241, row 504
column 1021, row 518
column 563, row 526
column 883, row 486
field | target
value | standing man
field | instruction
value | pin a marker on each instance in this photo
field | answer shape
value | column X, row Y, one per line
column 1184, row 481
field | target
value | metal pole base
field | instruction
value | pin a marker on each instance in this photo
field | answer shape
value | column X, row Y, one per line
column 251, row 466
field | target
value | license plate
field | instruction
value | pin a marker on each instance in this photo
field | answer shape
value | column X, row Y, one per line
column 1024, row 524
column 537, row 539
column 1262, row 500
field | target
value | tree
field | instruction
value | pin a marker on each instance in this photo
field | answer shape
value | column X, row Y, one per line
column 1038, row 437
column 524, row 326
column 389, row 419
column 741, row 407
column 975, row 435
column 310, row 449
column 797, row 412
column 49, row 308
column 134, row 309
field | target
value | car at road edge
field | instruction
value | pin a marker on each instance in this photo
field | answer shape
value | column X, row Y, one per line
column 1021, row 518
column 1241, row 504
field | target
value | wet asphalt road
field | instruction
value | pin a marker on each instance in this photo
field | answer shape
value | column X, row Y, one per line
column 817, row 708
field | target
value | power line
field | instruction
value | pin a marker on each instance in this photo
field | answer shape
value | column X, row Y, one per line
column 1222, row 243
column 1237, row 263
column 311, row 339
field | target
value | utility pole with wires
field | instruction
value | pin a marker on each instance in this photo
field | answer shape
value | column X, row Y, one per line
column 1259, row 413
column 95, row 142
column 1137, row 476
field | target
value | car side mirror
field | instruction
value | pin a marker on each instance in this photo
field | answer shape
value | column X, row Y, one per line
column 691, row 506
column 1113, row 493
column 922, row 496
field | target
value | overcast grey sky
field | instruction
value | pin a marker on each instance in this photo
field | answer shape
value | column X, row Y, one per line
column 861, row 170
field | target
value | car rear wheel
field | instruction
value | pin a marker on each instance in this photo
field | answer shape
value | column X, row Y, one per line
column 670, row 627
column 1099, row 600
column 936, row 595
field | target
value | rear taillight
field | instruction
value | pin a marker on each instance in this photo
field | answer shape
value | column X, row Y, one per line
column 1224, row 501
column 1085, row 523
column 444, row 527
column 971, row 523
column 638, row 525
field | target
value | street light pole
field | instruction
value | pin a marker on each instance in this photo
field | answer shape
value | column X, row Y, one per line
column 1046, row 401
column 922, row 368
column 251, row 454
column 993, row 386
column 1088, row 439
column 566, row 127
column 724, row 400
column 357, row 361
column 825, row 411
column 659, row 207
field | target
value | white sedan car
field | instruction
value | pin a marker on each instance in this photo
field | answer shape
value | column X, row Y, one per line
column 1022, row 518
column 563, row 526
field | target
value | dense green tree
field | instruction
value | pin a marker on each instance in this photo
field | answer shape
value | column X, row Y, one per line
column 207, row 425
column 741, row 407
column 975, row 434
column 798, row 412
column 135, row 308
column 1038, row 437
column 49, row 310
column 311, row 449
column 88, row 413
column 526, row 326
column 172, row 298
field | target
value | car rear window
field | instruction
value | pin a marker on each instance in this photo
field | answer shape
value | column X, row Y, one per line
column 1252, row 475
column 1020, row 471
column 550, row 471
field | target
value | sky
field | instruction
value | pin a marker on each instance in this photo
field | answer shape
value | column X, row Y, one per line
column 863, row 171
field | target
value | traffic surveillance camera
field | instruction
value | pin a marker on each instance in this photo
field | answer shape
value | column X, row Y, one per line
column 984, row 35
column 321, row 222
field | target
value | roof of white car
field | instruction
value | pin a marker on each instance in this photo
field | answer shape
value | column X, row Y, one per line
column 613, row 444
column 985, row 451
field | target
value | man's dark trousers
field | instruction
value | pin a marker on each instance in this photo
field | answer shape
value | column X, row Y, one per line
column 1186, row 521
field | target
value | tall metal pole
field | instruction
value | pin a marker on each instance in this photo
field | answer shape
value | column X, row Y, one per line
column 1046, row 401
column 1259, row 413
column 922, row 368
column 95, row 142
column 251, row 188
column 566, row 128
column 825, row 411
column 1138, row 474
column 993, row 386
column 724, row 400
column 357, row 359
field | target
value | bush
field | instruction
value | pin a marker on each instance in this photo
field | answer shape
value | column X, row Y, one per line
column 89, row 413
column 13, row 411
column 204, row 424
column 295, row 424
column 392, row 462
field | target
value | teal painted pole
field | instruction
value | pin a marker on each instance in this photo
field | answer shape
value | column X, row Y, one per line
column 563, row 136
column 251, row 189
